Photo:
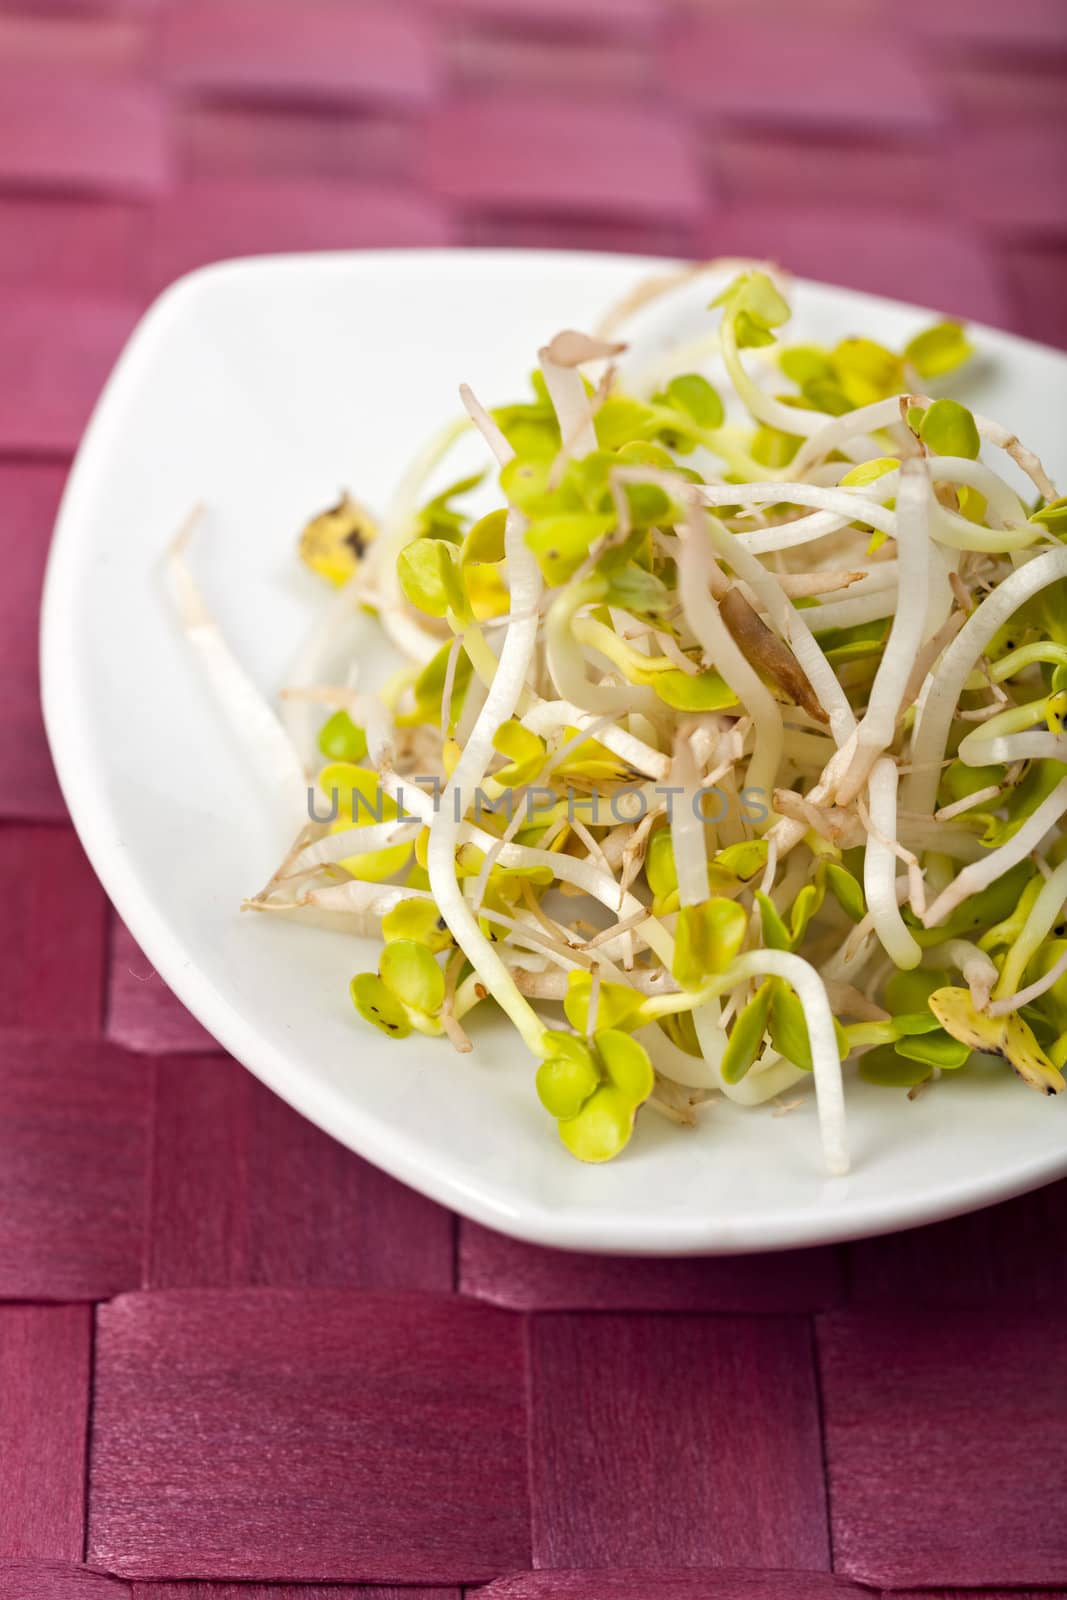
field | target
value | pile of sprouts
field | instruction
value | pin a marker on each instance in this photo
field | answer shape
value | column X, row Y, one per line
column 728, row 750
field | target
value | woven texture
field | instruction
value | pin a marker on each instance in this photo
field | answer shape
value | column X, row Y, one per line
column 236, row 1363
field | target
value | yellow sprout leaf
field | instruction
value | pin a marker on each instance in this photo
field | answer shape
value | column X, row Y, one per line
column 869, row 472
column 616, row 1004
column 525, row 752
column 333, row 543
column 360, row 801
column 1007, row 1036
column 602, row 1127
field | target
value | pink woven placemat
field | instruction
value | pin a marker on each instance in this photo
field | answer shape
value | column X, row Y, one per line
column 236, row 1363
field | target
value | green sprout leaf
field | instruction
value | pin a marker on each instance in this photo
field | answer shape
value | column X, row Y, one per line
column 743, row 860
column 410, row 972
column 773, row 448
column 978, row 913
column 885, row 1068
column 376, row 1004
column 948, row 429
column 602, row 1127
column 621, row 421
column 638, row 591
column 755, row 294
column 694, row 395
column 360, row 801
column 706, row 940
column 567, row 1076
column 803, row 909
column 938, row 350
column 485, row 539
column 746, row 1035
column 935, row 1048
column 1053, row 516
column 867, row 371
column 430, row 686
column 428, row 574
column 660, row 870
column 824, row 395
column 562, row 541
column 341, row 740
column 438, row 518
column 906, row 993
column 805, row 363
column 776, row 935
column 911, row 1023
column 525, row 484
column 789, row 1029
column 627, row 1064
column 419, row 920
column 845, row 890
column 616, row 1005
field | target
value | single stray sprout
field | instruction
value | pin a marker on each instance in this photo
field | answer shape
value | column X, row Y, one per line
column 743, row 692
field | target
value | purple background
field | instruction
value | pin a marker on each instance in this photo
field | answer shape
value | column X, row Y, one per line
column 229, row 1350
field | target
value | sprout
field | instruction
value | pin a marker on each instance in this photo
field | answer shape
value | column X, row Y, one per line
column 939, row 350
column 650, row 730
column 334, row 543
column 1007, row 1036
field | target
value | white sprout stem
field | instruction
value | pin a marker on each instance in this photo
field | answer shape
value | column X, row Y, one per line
column 351, row 842
column 872, row 607
column 836, row 507
column 601, row 886
column 811, row 992
column 876, row 730
column 489, row 430
column 688, row 840
column 1001, row 497
column 1033, row 991
column 568, row 395
column 880, row 868
column 566, row 663
column 763, row 406
column 607, row 642
column 696, row 567
column 1044, row 914
column 398, row 527
column 520, row 642
column 831, row 436
column 940, row 693
column 774, row 1076
column 550, row 715
column 374, row 899
column 979, row 750
column 1010, row 442
column 500, row 702
column 309, row 666
column 980, row 874
column 693, row 1072
column 786, row 535
column 793, row 628
column 978, row 970
column 968, row 803
column 251, row 719
column 854, row 952
column 853, row 505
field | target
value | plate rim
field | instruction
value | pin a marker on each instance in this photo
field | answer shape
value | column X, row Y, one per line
column 374, row 1140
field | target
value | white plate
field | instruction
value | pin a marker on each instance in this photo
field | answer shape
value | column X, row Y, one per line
column 259, row 388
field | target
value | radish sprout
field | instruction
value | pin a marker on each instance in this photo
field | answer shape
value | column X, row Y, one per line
column 658, row 696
